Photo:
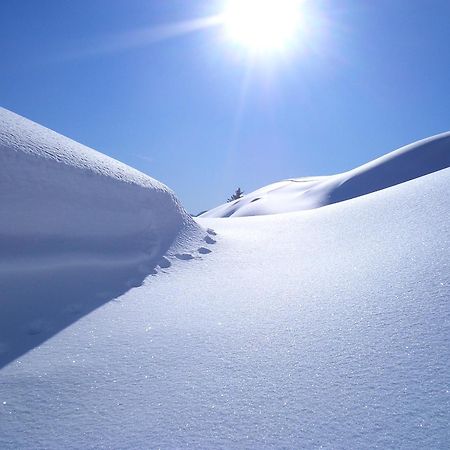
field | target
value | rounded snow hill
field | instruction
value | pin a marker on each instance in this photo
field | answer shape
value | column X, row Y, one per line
column 409, row 162
column 62, row 203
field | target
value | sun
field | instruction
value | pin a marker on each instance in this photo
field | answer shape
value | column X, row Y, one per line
column 262, row 25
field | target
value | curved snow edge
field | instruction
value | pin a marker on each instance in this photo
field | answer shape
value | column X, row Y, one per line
column 407, row 163
column 61, row 201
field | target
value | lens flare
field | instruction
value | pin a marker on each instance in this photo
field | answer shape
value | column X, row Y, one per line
column 263, row 25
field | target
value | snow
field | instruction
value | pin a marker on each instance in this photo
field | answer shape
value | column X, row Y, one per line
column 73, row 218
column 409, row 162
column 326, row 328
column 63, row 189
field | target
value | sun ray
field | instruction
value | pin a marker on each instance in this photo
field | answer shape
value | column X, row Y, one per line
column 145, row 36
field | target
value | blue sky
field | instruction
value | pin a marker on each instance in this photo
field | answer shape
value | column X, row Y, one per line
column 191, row 110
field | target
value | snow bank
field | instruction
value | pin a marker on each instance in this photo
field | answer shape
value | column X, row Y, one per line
column 409, row 162
column 77, row 229
column 64, row 203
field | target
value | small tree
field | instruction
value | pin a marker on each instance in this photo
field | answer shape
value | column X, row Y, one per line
column 237, row 195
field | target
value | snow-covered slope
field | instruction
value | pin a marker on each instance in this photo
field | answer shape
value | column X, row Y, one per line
column 409, row 162
column 327, row 328
column 73, row 217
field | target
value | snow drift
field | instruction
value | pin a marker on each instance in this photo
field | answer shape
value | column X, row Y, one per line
column 77, row 228
column 64, row 203
column 409, row 162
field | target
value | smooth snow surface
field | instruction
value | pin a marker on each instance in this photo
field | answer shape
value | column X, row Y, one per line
column 409, row 162
column 77, row 228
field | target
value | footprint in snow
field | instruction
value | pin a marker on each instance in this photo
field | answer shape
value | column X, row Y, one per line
column 209, row 240
column 164, row 263
column 184, row 256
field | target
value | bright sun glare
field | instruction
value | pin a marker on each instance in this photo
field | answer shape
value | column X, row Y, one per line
column 263, row 25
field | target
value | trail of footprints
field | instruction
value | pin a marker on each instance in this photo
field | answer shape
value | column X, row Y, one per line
column 38, row 326
column 164, row 263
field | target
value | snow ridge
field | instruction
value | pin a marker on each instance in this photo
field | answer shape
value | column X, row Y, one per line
column 407, row 163
column 71, row 204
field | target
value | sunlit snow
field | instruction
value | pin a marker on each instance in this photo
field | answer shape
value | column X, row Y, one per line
column 125, row 324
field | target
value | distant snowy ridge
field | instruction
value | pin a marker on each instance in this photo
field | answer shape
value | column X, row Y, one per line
column 62, row 203
column 409, row 162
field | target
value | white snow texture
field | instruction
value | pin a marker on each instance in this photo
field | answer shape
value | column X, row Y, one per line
column 321, row 328
column 406, row 163
column 54, row 189
column 74, row 223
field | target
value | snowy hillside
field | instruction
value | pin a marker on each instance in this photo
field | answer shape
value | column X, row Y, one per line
column 409, row 162
column 326, row 328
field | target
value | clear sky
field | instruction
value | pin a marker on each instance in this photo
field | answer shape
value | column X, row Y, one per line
column 196, row 112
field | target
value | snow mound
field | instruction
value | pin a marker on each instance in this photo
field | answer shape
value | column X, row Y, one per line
column 409, row 162
column 77, row 229
column 60, row 197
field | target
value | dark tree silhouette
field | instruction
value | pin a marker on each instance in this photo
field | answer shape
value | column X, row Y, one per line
column 237, row 195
